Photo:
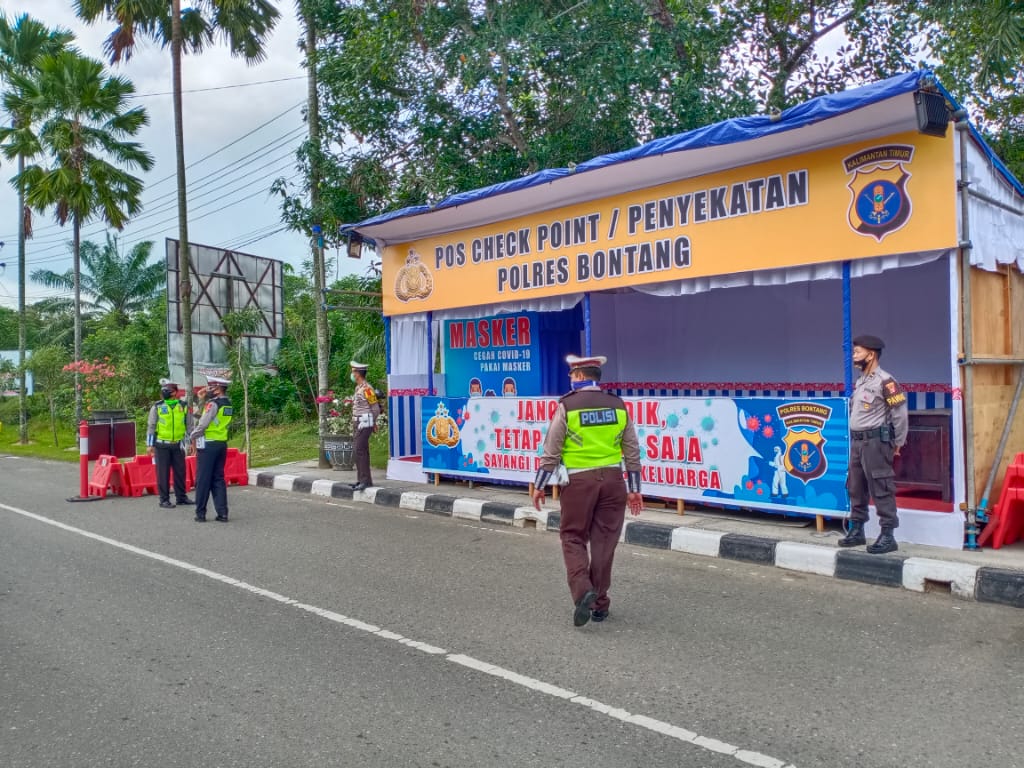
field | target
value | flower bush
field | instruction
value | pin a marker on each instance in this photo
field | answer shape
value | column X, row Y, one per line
column 339, row 414
column 102, row 385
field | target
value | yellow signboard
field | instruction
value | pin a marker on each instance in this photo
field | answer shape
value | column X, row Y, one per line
column 891, row 195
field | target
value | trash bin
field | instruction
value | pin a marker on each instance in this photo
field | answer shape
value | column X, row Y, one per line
column 111, row 433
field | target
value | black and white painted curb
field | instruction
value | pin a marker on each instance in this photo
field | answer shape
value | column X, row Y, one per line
column 918, row 574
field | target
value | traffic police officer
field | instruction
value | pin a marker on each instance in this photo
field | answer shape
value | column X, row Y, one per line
column 210, row 439
column 365, row 410
column 878, row 430
column 166, row 431
column 591, row 433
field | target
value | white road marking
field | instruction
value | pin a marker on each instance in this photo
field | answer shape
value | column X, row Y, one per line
column 492, row 530
column 642, row 721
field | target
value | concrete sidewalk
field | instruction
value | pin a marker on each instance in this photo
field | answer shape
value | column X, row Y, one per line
column 795, row 544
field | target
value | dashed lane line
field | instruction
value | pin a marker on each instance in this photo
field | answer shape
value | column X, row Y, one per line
column 745, row 756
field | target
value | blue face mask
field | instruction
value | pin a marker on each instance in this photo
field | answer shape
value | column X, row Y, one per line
column 581, row 384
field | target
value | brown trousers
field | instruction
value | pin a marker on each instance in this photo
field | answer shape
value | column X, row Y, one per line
column 362, row 455
column 593, row 511
column 872, row 477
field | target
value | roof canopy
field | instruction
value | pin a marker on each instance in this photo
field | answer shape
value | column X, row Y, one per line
column 880, row 109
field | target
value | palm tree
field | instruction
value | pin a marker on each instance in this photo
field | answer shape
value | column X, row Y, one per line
column 22, row 43
column 84, row 119
column 116, row 285
column 243, row 24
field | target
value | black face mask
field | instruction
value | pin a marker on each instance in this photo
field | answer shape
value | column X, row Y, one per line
column 168, row 393
column 861, row 364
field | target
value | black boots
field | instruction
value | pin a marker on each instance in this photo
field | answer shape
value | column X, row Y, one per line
column 854, row 537
column 884, row 543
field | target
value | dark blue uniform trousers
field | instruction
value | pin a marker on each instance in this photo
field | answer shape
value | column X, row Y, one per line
column 210, row 478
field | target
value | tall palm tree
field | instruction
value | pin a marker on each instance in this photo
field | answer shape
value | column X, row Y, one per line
column 22, row 44
column 84, row 120
column 243, row 24
column 116, row 285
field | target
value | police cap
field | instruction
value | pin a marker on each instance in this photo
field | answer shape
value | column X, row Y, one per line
column 869, row 342
column 356, row 366
column 594, row 361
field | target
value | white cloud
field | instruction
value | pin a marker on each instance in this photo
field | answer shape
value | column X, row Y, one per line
column 212, row 120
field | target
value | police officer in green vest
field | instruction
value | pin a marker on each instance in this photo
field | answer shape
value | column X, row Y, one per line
column 210, row 439
column 166, row 431
column 591, row 433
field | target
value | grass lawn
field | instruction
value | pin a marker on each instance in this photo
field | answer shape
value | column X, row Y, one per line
column 278, row 444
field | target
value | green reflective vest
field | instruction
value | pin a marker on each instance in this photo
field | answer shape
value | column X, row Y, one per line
column 593, row 436
column 170, row 421
column 218, row 428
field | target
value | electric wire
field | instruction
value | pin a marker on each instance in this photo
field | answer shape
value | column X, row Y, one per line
column 173, row 176
column 203, row 182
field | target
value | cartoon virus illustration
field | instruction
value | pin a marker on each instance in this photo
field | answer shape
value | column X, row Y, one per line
column 753, row 423
column 672, row 421
column 768, row 431
column 714, row 441
column 767, row 418
column 707, row 424
column 495, row 417
column 481, row 446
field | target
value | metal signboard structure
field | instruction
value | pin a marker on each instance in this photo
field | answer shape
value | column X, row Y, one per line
column 222, row 281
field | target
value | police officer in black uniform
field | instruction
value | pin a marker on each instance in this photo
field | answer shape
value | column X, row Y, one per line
column 878, row 430
column 591, row 433
column 166, row 431
column 210, row 440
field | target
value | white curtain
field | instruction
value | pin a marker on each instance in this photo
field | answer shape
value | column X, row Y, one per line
column 996, row 234
column 829, row 271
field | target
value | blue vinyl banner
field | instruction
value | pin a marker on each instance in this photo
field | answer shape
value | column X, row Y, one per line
column 771, row 454
column 493, row 356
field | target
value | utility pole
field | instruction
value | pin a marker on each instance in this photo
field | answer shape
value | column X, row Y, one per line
column 323, row 351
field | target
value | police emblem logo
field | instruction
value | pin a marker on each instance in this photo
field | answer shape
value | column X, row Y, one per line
column 804, row 453
column 879, row 204
column 413, row 280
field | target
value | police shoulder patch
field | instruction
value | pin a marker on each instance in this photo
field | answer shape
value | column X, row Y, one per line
column 893, row 393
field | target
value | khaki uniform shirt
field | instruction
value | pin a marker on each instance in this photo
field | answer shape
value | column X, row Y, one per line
column 365, row 401
column 878, row 400
column 552, row 454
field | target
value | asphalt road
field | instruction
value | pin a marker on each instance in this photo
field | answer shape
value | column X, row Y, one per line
column 313, row 632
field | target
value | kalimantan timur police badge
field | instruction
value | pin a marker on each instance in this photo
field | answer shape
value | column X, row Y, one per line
column 880, row 204
column 804, row 454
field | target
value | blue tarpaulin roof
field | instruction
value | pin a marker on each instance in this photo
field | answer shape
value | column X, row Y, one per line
column 727, row 132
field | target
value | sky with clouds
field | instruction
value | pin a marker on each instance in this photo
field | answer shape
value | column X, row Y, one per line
column 238, row 139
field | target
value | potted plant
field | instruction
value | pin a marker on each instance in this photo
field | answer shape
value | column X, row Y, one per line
column 339, row 441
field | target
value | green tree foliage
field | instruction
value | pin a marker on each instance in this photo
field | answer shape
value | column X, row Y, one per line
column 793, row 50
column 116, row 285
column 22, row 44
column 243, row 24
column 52, row 383
column 980, row 50
column 85, row 134
column 433, row 98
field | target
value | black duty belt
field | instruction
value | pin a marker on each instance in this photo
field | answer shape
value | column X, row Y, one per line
column 167, row 442
column 882, row 433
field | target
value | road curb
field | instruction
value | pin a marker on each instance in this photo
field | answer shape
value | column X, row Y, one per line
column 916, row 574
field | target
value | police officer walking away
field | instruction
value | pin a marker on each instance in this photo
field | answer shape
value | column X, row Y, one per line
column 166, row 430
column 591, row 433
column 210, row 439
column 878, row 430
column 365, row 410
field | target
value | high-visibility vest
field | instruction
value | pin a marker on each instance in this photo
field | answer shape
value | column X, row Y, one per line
column 170, row 421
column 218, row 428
column 594, row 427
